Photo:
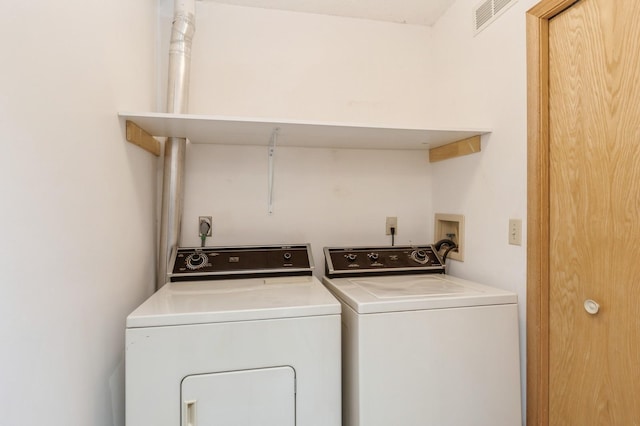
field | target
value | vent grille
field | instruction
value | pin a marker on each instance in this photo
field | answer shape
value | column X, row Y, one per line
column 487, row 12
column 484, row 13
column 498, row 5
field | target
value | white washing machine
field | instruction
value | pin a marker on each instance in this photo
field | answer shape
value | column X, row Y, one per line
column 420, row 347
column 245, row 336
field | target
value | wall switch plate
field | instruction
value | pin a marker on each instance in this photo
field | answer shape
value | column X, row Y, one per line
column 392, row 222
column 515, row 232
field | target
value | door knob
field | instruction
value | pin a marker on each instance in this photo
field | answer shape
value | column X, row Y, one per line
column 591, row 306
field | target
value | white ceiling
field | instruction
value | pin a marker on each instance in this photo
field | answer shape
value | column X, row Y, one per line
column 417, row 12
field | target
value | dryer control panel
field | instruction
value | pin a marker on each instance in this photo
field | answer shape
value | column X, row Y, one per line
column 350, row 261
column 210, row 263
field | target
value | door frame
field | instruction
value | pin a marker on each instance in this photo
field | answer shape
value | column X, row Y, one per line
column 538, row 207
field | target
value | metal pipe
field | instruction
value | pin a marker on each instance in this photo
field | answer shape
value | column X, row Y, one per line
column 180, row 56
column 182, row 32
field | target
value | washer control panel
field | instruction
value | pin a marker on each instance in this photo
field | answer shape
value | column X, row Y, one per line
column 349, row 261
column 209, row 263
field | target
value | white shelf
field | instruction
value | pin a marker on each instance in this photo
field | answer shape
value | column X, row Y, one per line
column 244, row 131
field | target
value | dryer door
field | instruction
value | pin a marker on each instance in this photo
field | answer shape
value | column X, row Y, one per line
column 259, row 397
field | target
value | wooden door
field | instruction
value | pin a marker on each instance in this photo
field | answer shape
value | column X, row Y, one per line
column 592, row 179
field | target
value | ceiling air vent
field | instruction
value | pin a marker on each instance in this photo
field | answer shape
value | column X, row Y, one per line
column 487, row 11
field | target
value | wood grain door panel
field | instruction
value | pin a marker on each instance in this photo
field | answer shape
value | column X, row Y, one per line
column 594, row 213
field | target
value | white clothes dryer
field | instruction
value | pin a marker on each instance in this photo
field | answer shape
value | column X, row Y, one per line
column 421, row 347
column 254, row 341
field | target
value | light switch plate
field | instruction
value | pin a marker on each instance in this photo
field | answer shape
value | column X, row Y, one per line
column 515, row 232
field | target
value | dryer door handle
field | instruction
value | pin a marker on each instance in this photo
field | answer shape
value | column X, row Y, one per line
column 189, row 413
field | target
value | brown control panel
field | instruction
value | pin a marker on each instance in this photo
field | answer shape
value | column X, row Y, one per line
column 350, row 261
column 210, row 263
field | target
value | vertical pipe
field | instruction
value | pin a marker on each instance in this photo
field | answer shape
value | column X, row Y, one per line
column 182, row 32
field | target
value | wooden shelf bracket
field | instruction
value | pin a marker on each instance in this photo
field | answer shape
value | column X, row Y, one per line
column 138, row 136
column 455, row 149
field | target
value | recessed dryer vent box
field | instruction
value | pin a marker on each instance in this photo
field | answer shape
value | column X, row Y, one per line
column 451, row 226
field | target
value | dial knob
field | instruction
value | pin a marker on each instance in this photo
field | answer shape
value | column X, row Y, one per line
column 373, row 256
column 351, row 257
column 287, row 256
column 196, row 260
column 420, row 256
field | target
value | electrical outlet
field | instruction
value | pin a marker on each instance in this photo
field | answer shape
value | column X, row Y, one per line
column 202, row 220
column 392, row 222
column 515, row 232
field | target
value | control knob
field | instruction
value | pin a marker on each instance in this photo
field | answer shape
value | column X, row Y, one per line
column 373, row 257
column 420, row 256
column 287, row 256
column 351, row 257
column 197, row 260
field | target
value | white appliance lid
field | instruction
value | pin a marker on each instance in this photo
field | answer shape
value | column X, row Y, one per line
column 202, row 302
column 394, row 293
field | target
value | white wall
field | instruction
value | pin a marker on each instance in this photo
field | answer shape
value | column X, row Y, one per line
column 260, row 62
column 321, row 196
column 78, row 204
column 484, row 76
column 266, row 63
